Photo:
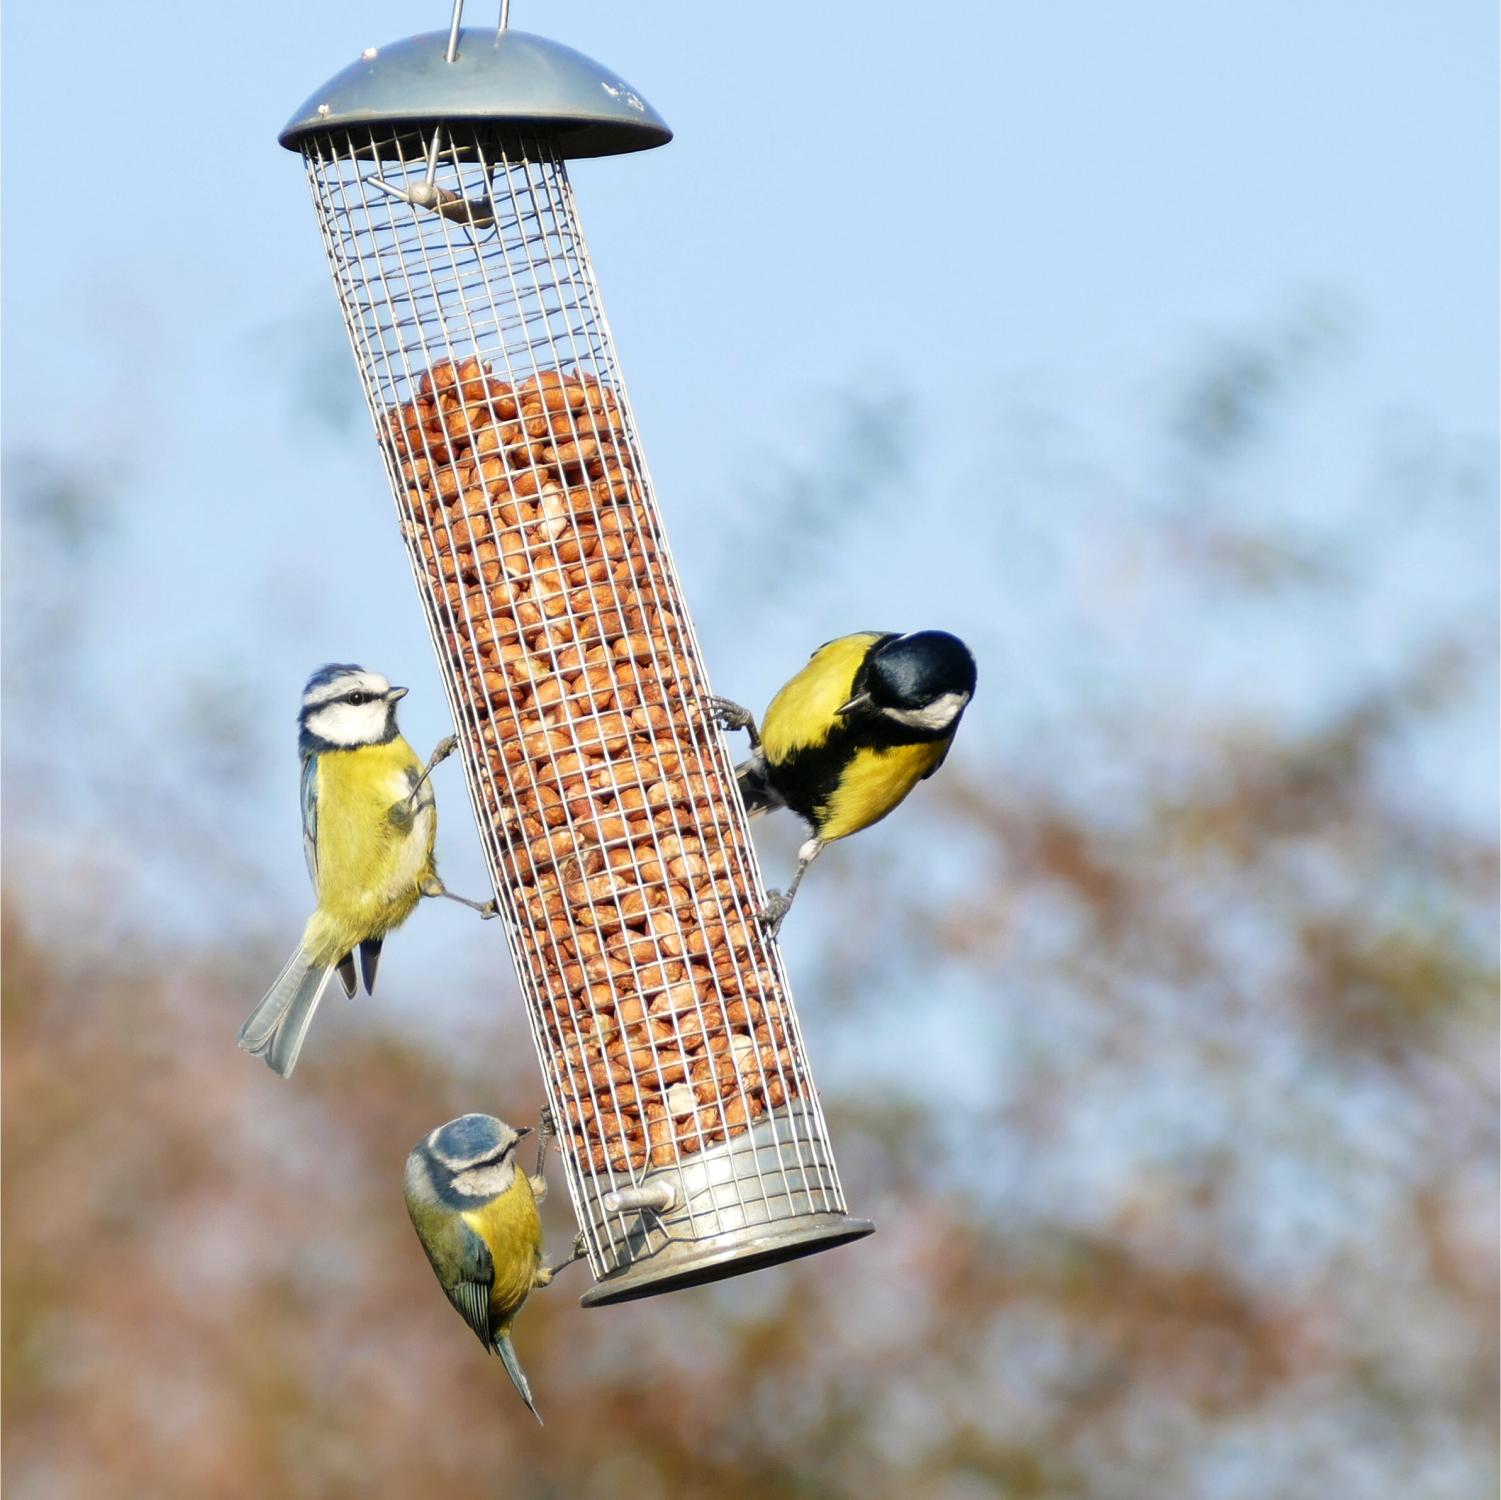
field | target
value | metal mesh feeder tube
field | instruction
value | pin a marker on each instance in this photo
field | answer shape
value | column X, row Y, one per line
column 691, row 1135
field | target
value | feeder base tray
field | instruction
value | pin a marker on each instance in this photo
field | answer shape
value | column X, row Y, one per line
column 683, row 1264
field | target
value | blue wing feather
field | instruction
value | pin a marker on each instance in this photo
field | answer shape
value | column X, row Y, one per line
column 470, row 1293
column 310, row 815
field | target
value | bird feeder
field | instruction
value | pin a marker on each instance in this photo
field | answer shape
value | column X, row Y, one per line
column 690, row 1129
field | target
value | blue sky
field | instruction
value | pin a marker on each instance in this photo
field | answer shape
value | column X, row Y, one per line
column 1017, row 229
column 987, row 211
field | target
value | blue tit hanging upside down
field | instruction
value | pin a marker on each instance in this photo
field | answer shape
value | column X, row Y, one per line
column 475, row 1212
column 368, row 825
column 842, row 744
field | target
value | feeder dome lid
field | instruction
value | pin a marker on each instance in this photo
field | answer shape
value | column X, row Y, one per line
column 512, row 81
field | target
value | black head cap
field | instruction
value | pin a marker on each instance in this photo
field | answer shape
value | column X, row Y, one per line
column 915, row 670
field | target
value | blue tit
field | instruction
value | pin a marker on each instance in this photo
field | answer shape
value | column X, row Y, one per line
column 845, row 740
column 475, row 1212
column 368, row 825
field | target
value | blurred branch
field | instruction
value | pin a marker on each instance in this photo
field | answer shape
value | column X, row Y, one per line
column 307, row 357
column 1161, row 1045
column 791, row 521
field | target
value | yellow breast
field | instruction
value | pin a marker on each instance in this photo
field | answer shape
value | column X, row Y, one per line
column 371, row 864
column 874, row 782
column 510, row 1226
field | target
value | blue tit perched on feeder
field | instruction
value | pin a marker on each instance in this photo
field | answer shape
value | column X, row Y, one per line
column 475, row 1212
column 368, row 825
column 847, row 739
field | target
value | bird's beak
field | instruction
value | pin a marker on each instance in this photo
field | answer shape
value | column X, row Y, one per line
column 394, row 695
column 523, row 1130
column 860, row 700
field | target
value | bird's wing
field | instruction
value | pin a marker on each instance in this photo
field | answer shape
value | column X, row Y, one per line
column 310, row 815
column 807, row 707
column 948, row 745
column 470, row 1290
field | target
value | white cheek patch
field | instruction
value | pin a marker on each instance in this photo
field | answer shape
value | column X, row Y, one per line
column 939, row 714
column 349, row 723
column 486, row 1182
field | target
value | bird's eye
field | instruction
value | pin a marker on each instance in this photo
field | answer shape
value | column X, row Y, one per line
column 358, row 698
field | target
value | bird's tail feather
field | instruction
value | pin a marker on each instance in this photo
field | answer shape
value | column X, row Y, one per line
column 756, row 790
column 369, row 960
column 277, row 1027
column 507, row 1352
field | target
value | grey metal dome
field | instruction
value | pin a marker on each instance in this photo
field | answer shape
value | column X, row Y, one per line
column 512, row 81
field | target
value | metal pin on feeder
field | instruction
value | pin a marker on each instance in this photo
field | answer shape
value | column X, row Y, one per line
column 659, row 1196
column 691, row 1135
column 427, row 193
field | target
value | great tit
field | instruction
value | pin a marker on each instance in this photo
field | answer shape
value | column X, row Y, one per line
column 870, row 716
column 368, row 825
column 475, row 1212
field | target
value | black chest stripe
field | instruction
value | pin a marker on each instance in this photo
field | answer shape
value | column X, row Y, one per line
column 809, row 777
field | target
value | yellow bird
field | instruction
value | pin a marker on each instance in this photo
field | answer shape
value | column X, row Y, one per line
column 475, row 1213
column 368, row 826
column 847, row 739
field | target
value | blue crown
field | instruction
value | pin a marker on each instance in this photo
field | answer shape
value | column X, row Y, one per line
column 328, row 673
column 469, row 1138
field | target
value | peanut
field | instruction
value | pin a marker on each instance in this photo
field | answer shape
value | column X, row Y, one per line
column 615, row 825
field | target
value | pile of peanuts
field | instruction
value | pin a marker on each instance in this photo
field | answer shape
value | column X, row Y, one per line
column 616, row 837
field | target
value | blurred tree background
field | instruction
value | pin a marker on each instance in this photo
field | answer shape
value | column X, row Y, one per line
column 1157, row 1034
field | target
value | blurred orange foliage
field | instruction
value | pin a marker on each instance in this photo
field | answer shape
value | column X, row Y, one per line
column 1184, row 1175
